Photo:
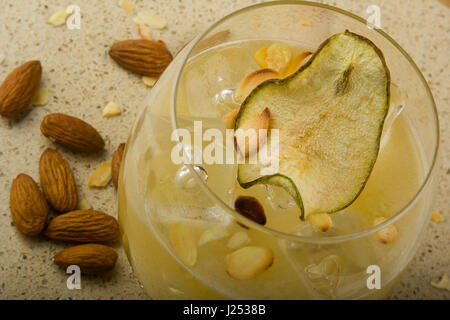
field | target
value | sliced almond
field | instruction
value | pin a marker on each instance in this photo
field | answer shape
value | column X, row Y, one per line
column 388, row 234
column 58, row 18
column 41, row 97
column 111, row 109
column 279, row 56
column 101, row 176
column 296, row 63
column 260, row 57
column 127, row 6
column 239, row 239
column 253, row 80
column 150, row 19
column 320, row 221
column 304, row 22
column 144, row 32
column 2, row 58
column 213, row 234
column 84, row 205
column 437, row 217
column 149, row 81
column 251, row 130
column 230, row 118
column 183, row 243
column 248, row 262
column 444, row 283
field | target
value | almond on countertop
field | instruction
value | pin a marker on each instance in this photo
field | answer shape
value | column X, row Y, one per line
column 58, row 18
column 72, row 133
column 115, row 163
column 19, row 88
column 101, row 176
column 111, row 109
column 41, row 97
column 144, row 32
column 150, row 19
column 149, row 81
column 127, row 6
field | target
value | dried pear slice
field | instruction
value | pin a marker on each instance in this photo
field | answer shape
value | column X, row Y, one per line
column 330, row 115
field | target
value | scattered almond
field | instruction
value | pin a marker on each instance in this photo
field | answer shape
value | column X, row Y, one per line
column 252, row 129
column 57, row 181
column 29, row 208
column 183, row 243
column 58, row 18
column 304, row 22
column 83, row 226
column 278, row 57
column 2, row 58
column 260, row 57
column 101, row 176
column 253, row 80
column 250, row 208
column 127, row 6
column 111, row 109
column 144, row 32
column 296, row 63
column 84, row 205
column 388, row 234
column 237, row 240
column 149, row 81
column 115, row 163
column 444, row 283
column 437, row 217
column 19, row 88
column 72, row 133
column 148, row 58
column 248, row 262
column 213, row 234
column 41, row 97
column 321, row 221
column 151, row 20
column 230, row 118
column 91, row 258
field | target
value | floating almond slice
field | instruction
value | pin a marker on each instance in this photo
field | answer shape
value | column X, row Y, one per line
column 260, row 57
column 230, row 118
column 249, row 136
column 127, row 6
column 111, row 109
column 58, row 18
column 151, row 20
column 144, row 32
column 213, row 234
column 387, row 234
column 101, row 176
column 41, row 97
column 183, row 243
column 296, row 63
column 248, row 262
column 321, row 221
column 251, row 81
column 279, row 56
column 239, row 239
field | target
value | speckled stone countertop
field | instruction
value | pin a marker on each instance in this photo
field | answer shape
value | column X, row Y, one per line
column 81, row 79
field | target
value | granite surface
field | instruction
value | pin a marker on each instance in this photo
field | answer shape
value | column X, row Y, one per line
column 81, row 79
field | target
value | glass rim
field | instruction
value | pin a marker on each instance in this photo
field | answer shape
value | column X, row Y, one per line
column 292, row 237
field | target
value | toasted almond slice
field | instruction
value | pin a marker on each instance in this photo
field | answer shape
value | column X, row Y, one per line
column 101, row 176
column 251, row 81
column 304, row 22
column 239, row 239
column 437, row 217
column 230, row 118
column 444, row 283
column 183, row 243
column 41, row 97
column 144, row 32
column 2, row 58
column 127, row 6
column 84, row 205
column 251, row 130
column 149, row 81
column 151, row 20
column 260, row 57
column 388, row 234
column 295, row 63
column 213, row 234
column 111, row 109
column 248, row 262
column 279, row 56
column 321, row 221
column 58, row 18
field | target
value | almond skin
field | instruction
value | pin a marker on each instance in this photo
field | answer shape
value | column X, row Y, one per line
column 91, row 258
column 19, row 88
column 148, row 58
column 84, row 226
column 57, row 181
column 115, row 163
column 29, row 209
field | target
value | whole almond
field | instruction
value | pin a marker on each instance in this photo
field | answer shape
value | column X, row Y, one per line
column 19, row 88
column 72, row 133
column 115, row 163
column 57, row 181
column 84, row 226
column 29, row 208
column 148, row 58
column 91, row 258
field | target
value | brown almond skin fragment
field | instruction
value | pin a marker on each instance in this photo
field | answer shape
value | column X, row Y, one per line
column 84, row 226
column 148, row 58
column 91, row 258
column 57, row 181
column 250, row 208
column 29, row 209
column 19, row 88
column 115, row 163
column 72, row 133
